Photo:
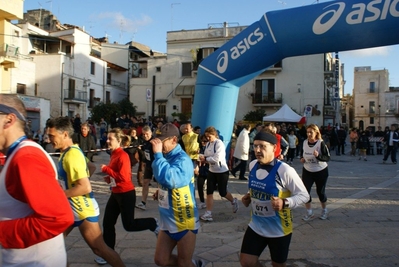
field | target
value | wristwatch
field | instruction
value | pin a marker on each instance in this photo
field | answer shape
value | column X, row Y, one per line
column 286, row 204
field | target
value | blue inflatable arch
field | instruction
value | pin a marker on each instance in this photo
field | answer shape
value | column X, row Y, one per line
column 320, row 28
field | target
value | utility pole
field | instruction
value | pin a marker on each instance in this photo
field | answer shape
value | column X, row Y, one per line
column 337, row 99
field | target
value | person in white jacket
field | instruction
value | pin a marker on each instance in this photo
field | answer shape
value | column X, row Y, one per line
column 241, row 153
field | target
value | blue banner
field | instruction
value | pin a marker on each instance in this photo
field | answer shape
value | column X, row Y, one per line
column 320, row 28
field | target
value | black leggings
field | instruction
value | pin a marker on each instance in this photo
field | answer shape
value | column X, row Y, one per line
column 124, row 204
column 320, row 179
column 220, row 179
column 200, row 187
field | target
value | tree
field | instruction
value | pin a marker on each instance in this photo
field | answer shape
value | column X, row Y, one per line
column 255, row 115
column 110, row 111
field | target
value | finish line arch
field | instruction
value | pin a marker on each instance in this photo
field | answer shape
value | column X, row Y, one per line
column 320, row 28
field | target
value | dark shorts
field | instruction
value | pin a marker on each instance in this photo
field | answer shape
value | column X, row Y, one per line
column 218, row 180
column 148, row 173
column 179, row 235
column 254, row 244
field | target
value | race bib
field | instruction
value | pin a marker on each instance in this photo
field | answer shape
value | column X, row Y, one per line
column 163, row 199
column 311, row 160
column 262, row 208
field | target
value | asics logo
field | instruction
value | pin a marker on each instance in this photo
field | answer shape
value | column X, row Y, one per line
column 360, row 13
column 236, row 51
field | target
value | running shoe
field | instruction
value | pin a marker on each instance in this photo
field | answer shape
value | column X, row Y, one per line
column 324, row 214
column 308, row 217
column 207, row 217
column 157, row 229
column 234, row 205
column 100, row 261
column 141, row 206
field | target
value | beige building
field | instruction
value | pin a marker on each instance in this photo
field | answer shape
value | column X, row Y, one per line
column 375, row 103
column 17, row 69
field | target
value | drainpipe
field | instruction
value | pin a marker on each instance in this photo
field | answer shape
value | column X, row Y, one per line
column 62, row 87
column 153, row 97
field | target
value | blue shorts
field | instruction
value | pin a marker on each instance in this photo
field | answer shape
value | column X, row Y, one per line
column 179, row 235
column 90, row 219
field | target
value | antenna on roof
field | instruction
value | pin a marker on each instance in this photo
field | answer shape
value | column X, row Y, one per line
column 40, row 14
column 51, row 5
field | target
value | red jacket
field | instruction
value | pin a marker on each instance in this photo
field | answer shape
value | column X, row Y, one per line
column 120, row 169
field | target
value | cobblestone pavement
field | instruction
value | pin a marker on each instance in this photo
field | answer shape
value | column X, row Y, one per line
column 362, row 228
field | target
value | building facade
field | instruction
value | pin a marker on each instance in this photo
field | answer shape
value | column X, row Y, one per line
column 69, row 70
column 375, row 102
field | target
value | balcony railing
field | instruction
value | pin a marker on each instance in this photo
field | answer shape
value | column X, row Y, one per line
column 7, row 50
column 276, row 98
column 117, row 84
column 75, row 96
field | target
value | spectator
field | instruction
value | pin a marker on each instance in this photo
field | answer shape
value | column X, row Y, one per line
column 241, row 152
column 363, row 144
column 391, row 139
column 85, row 141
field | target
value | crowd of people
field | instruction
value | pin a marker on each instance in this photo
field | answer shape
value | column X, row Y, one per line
column 182, row 162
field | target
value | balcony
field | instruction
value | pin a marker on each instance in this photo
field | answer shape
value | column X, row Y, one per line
column 270, row 100
column 8, row 55
column 117, row 84
column 75, row 96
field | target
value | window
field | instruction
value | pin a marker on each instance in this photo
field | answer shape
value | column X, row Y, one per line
column 162, row 110
column 92, row 68
column 71, row 88
column 21, row 88
column 158, row 69
column 91, row 100
column 372, row 87
column 68, row 49
column 36, row 92
column 372, row 107
column 265, row 91
column 109, row 78
column 186, row 69
column 371, row 120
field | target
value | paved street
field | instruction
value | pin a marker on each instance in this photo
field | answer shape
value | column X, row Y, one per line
column 362, row 228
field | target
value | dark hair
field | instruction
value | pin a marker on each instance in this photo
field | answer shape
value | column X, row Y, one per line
column 61, row 124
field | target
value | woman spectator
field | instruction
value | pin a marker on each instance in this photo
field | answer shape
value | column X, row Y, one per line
column 315, row 169
column 353, row 137
column 123, row 196
column 215, row 156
